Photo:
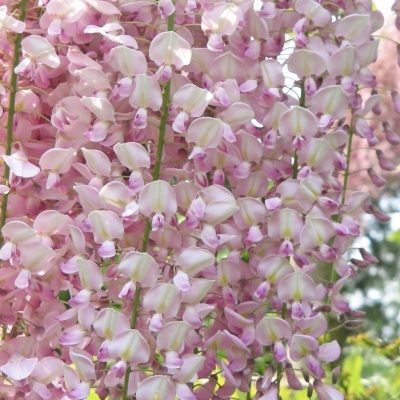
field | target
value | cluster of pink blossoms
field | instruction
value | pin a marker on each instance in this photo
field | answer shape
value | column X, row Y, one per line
column 170, row 205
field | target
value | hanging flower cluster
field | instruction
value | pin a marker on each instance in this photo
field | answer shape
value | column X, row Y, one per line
column 172, row 209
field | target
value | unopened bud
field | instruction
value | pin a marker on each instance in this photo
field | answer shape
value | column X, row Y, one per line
column 372, row 141
column 310, row 391
column 259, row 383
column 258, row 396
column 326, row 308
column 360, row 263
column 368, row 256
column 376, row 109
column 335, row 375
column 341, row 317
column 384, row 163
column 353, row 323
column 378, row 214
column 357, row 314
column 396, row 101
column 398, row 54
column 306, row 376
column 268, row 374
column 375, row 178
column 390, row 135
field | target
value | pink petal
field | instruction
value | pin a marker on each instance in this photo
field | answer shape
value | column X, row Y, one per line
column 84, row 366
column 156, row 323
column 109, row 323
column 117, row 195
column 146, row 93
column 192, row 260
column 285, row 224
column 20, row 166
column 41, row 390
column 97, row 162
column 4, row 189
column 172, row 360
column 100, row 107
column 81, row 300
column 107, row 249
column 94, row 77
column 81, row 391
column 104, row 7
column 19, row 367
column 316, row 232
column 273, row 268
column 314, row 11
column 205, row 132
column 353, row 27
column 298, row 122
column 326, row 392
column 106, row 225
column 128, row 61
column 305, row 63
column 181, row 281
column 330, row 100
column 192, row 99
column 132, row 155
column 157, row 197
column 128, row 291
column 296, row 286
column 270, row 330
column 51, row 222
column 329, row 352
column 302, row 345
column 156, row 386
column 170, row 48
column 129, row 345
column 272, row 74
column 90, row 274
column 162, row 298
column 279, row 351
column 192, row 317
column 171, row 337
column 23, row 280
column 140, row 267
column 40, row 50
column 313, row 326
column 183, row 392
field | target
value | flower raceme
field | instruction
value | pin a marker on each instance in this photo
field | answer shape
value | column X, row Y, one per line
column 174, row 205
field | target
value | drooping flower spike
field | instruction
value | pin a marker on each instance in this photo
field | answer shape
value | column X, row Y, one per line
column 175, row 177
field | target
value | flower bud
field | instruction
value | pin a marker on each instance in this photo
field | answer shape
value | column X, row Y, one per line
column 396, row 101
column 384, row 163
column 310, row 390
column 335, row 375
column 353, row 323
column 375, row 178
column 390, row 135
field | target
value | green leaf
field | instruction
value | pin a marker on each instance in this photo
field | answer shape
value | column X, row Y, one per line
column 394, row 236
column 351, row 373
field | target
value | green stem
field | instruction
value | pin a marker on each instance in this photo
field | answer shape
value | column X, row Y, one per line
column 295, row 165
column 348, row 155
column 284, row 309
column 302, row 104
column 345, row 181
column 11, row 113
column 156, row 175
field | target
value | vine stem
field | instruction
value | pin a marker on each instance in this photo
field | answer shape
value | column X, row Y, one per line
column 156, row 175
column 10, row 118
column 345, row 182
column 348, row 155
column 302, row 104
